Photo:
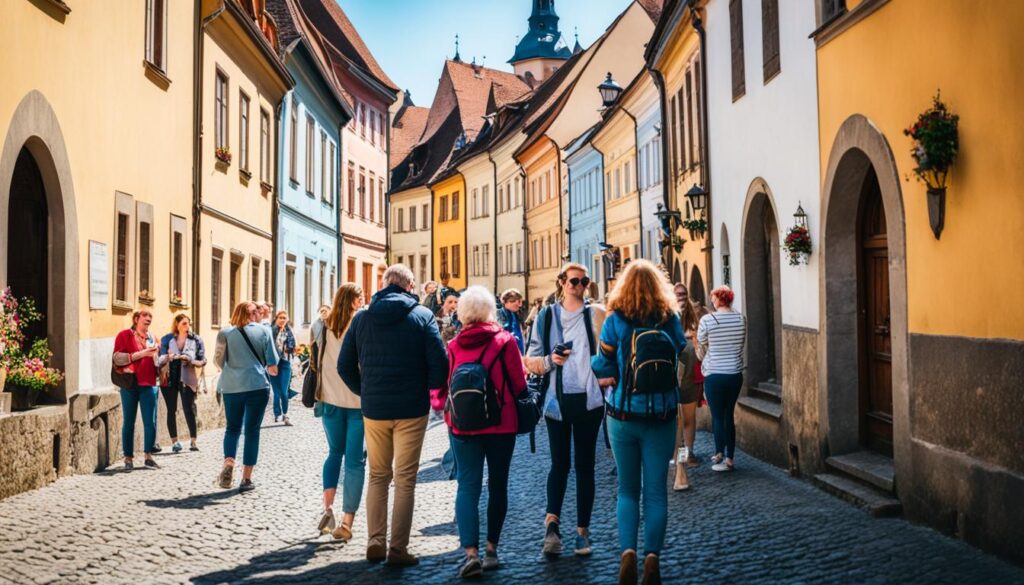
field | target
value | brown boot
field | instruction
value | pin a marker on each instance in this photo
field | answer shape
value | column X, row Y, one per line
column 627, row 568
column 652, row 572
column 401, row 558
column 376, row 552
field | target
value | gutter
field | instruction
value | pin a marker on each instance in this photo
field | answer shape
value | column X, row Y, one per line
column 667, row 181
column 526, row 229
column 338, row 237
column 636, row 175
column 494, row 208
column 275, row 229
column 705, row 163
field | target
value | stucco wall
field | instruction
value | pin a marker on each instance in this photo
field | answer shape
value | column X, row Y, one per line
column 412, row 243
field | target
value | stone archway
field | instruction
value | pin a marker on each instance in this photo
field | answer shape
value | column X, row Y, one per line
column 860, row 164
column 696, row 287
column 762, row 297
column 34, row 132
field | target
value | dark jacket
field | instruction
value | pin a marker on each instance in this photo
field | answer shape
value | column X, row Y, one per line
column 393, row 356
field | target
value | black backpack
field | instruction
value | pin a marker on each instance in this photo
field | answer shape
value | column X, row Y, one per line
column 472, row 397
column 651, row 367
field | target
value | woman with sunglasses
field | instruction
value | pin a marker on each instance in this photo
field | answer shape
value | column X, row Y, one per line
column 564, row 338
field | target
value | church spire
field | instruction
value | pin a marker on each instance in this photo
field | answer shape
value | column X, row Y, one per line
column 543, row 40
column 457, row 58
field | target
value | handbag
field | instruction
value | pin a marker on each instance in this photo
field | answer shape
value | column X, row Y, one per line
column 122, row 377
column 311, row 379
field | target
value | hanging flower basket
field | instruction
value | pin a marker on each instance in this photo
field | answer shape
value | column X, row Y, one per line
column 695, row 226
column 936, row 143
column 223, row 155
column 798, row 245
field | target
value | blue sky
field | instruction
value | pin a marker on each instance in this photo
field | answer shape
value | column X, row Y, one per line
column 412, row 38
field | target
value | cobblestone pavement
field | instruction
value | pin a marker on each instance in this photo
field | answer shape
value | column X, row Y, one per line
column 173, row 526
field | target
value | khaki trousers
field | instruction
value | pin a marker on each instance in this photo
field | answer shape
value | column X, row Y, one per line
column 397, row 443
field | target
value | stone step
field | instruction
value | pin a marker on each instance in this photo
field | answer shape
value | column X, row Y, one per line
column 871, row 468
column 876, row 502
column 761, row 406
column 767, row 391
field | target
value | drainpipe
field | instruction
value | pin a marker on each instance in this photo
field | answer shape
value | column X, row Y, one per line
column 667, row 180
column 705, row 163
column 558, row 187
column 526, row 230
column 337, row 206
column 604, row 216
column 276, row 219
column 387, row 200
column 568, row 229
column 636, row 176
column 494, row 209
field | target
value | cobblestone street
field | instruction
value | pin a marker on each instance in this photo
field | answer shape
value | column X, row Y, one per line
column 173, row 526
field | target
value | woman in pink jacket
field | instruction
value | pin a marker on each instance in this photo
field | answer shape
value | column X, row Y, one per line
column 483, row 426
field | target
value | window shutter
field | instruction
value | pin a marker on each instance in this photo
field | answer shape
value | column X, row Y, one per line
column 770, row 37
column 739, row 86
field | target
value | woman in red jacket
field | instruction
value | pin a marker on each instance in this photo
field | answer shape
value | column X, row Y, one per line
column 136, row 348
column 482, row 341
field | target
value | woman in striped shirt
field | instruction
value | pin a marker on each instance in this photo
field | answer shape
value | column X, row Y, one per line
column 722, row 337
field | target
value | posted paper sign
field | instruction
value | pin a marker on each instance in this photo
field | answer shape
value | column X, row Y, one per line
column 99, row 276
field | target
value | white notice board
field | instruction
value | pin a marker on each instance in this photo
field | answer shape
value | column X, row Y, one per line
column 99, row 276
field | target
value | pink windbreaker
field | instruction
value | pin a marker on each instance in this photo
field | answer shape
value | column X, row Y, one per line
column 501, row 346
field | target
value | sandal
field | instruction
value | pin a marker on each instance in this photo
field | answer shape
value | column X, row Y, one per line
column 342, row 532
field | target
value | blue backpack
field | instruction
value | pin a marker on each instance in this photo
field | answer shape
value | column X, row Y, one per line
column 472, row 397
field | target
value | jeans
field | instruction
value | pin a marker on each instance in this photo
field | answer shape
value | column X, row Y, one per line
column 280, row 384
column 641, row 449
column 471, row 451
column 188, row 403
column 393, row 450
column 344, row 428
column 132, row 401
column 244, row 410
column 721, row 392
column 581, row 427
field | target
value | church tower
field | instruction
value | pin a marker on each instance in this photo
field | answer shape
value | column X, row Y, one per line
column 542, row 50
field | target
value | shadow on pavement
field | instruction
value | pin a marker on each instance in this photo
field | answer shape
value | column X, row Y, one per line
column 196, row 502
column 446, row 529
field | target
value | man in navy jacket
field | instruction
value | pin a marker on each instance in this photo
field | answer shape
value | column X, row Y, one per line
column 391, row 357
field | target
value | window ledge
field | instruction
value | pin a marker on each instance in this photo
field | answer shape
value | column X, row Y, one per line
column 178, row 305
column 221, row 165
column 844, row 20
column 266, row 186
column 156, row 75
column 147, row 300
column 245, row 173
column 121, row 307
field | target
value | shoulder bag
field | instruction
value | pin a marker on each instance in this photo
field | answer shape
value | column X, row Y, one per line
column 312, row 379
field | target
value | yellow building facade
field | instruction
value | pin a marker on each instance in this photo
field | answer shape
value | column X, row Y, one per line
column 449, row 247
column 616, row 141
column 544, row 236
column 930, row 306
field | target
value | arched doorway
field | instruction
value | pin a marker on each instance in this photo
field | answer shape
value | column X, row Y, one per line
column 761, row 292
column 723, row 249
column 28, row 272
column 696, row 287
column 677, row 272
column 865, row 394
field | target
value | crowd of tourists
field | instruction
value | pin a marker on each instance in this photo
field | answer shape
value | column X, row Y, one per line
column 637, row 365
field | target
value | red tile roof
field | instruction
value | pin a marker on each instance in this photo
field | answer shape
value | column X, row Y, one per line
column 406, row 131
column 653, row 8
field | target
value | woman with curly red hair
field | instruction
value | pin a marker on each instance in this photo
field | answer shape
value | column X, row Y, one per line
column 721, row 343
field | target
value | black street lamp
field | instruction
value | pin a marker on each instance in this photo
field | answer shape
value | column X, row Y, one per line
column 698, row 198
column 610, row 91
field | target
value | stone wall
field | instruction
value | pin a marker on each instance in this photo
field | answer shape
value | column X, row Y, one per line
column 36, row 447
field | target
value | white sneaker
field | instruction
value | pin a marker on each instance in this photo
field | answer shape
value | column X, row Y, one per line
column 723, row 466
column 682, row 455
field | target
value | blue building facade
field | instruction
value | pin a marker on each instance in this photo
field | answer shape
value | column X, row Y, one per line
column 652, row 188
column 586, row 206
column 308, row 239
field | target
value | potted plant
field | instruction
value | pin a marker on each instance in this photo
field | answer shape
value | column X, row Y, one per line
column 798, row 245
column 29, row 376
column 14, row 315
column 936, row 142
column 223, row 154
column 696, row 226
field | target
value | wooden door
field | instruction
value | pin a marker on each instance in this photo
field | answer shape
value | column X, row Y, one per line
column 876, row 344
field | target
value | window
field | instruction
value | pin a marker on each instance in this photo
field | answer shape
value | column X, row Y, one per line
column 334, row 284
column 145, row 259
column 476, row 203
column 443, row 211
column 444, row 261
column 254, row 278
column 293, row 142
column 289, row 285
column 235, row 280
column 362, row 121
column 475, row 268
column 373, row 129
column 423, row 268
column 156, row 33
column 310, row 152
column 215, row 286
column 264, row 146
column 455, row 205
column 266, row 280
column 362, row 192
column 220, row 111
column 307, row 292
column 325, row 294
column 401, row 220
column 456, row 260
column 121, row 276
column 690, row 121
column 177, row 259
column 501, row 199
column 372, row 196
column 351, row 187
column 412, row 218
column 486, row 201
column 770, row 37
column 830, row 9
column 533, row 254
column 487, row 260
column 698, row 120
column 519, row 256
column 243, row 132
column 628, row 172
column 323, row 166
column 739, row 86
column 380, row 196
column 332, row 182
column 682, row 153
column 426, row 217
column 618, row 183
column 380, row 127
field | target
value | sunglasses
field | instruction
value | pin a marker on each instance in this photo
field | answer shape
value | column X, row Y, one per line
column 585, row 281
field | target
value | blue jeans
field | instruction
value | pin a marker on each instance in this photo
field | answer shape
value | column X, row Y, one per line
column 344, row 428
column 138, row 398
column 244, row 409
column 470, row 452
column 641, row 449
column 721, row 392
column 280, row 384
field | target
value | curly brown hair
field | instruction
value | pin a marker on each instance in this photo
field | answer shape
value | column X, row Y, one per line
column 643, row 294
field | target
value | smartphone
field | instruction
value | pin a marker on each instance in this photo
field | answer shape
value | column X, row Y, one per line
column 561, row 348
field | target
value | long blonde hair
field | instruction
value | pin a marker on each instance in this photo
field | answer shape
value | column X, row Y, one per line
column 643, row 294
column 341, row 309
